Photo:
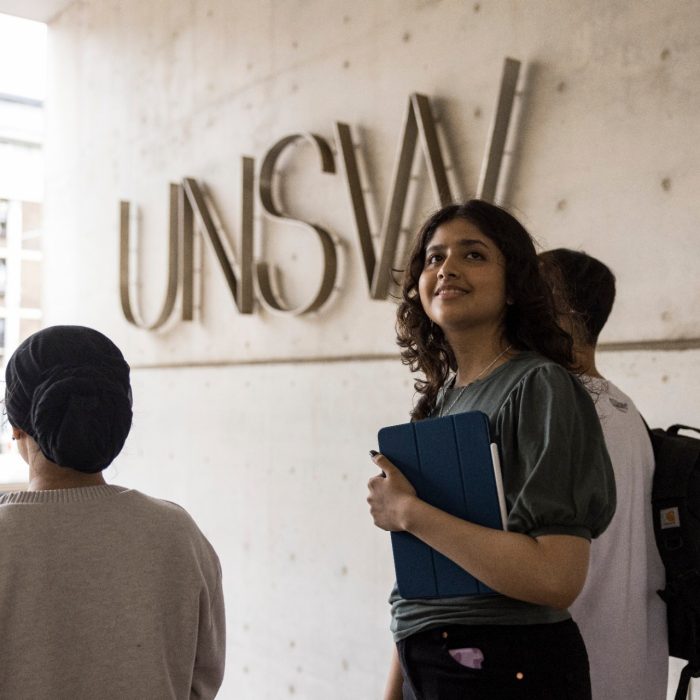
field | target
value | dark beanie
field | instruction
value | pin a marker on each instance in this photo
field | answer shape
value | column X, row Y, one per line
column 68, row 387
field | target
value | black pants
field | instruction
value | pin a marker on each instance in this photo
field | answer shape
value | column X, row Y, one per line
column 520, row 662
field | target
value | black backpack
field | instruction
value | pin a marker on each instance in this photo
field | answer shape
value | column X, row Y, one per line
column 676, row 511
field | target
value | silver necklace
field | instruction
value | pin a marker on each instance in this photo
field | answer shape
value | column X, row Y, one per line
column 444, row 411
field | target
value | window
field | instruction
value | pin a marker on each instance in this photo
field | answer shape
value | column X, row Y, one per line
column 4, row 207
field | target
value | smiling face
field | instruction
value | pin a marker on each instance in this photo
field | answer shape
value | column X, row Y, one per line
column 463, row 284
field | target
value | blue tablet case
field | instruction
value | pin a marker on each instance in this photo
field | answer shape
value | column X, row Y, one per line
column 449, row 463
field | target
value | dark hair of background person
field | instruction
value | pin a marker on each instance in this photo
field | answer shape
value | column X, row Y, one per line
column 588, row 288
column 530, row 320
column 68, row 388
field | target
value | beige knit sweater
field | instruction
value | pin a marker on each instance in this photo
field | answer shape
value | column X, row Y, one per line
column 106, row 593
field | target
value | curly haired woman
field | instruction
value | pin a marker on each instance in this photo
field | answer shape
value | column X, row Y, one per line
column 478, row 322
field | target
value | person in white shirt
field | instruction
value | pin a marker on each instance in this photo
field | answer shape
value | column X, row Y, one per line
column 621, row 617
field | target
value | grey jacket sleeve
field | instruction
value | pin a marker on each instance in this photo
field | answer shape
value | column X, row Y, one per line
column 208, row 672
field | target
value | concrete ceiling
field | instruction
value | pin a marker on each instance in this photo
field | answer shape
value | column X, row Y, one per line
column 39, row 10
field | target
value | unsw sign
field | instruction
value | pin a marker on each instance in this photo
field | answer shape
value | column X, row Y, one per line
column 192, row 214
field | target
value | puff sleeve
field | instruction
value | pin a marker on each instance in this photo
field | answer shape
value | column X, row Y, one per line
column 556, row 470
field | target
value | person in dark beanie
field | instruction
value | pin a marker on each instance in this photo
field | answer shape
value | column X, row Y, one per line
column 104, row 592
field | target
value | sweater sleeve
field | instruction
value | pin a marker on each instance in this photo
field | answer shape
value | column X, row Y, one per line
column 557, row 472
column 208, row 672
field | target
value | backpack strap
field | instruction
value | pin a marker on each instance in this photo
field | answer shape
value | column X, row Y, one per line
column 684, row 682
column 673, row 429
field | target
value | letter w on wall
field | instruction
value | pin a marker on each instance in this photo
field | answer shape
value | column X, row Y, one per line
column 418, row 123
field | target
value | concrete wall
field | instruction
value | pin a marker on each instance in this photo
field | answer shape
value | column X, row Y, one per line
column 260, row 424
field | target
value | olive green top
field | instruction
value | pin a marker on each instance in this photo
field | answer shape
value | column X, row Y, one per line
column 557, row 477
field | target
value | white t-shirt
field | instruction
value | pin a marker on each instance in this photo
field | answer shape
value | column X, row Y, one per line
column 621, row 617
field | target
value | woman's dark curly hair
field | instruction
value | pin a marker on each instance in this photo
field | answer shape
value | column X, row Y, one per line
column 530, row 320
